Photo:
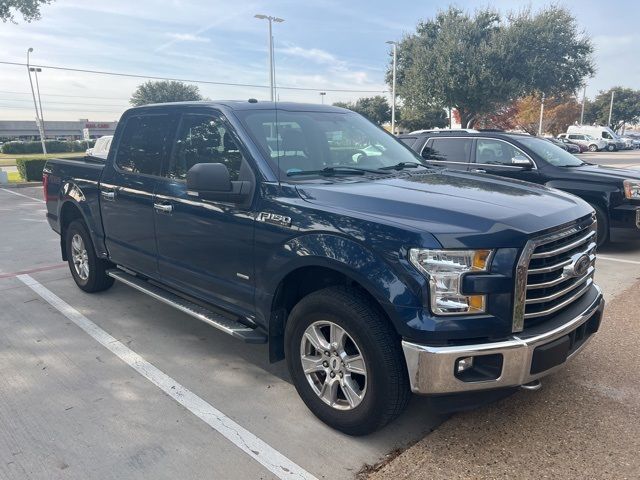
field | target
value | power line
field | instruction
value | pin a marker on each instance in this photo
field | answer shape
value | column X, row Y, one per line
column 47, row 102
column 207, row 82
column 18, row 107
column 62, row 95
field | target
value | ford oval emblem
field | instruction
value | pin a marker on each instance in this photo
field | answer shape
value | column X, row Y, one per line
column 579, row 266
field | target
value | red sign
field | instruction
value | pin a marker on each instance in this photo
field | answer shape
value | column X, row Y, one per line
column 97, row 125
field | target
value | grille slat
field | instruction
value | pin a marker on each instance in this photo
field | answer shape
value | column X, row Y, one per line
column 556, row 272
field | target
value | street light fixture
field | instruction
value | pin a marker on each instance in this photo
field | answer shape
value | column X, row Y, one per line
column 38, row 121
column 322, row 94
column 271, row 66
column 393, row 88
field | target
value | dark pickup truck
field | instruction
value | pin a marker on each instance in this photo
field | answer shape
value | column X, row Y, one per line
column 614, row 193
column 305, row 226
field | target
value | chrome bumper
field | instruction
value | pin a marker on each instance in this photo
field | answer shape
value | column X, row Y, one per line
column 431, row 369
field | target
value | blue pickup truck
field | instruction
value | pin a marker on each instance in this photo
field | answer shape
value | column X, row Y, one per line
column 371, row 272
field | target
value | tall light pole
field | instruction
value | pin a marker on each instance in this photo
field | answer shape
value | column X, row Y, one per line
column 584, row 99
column 322, row 94
column 610, row 108
column 35, row 73
column 541, row 113
column 393, row 87
column 271, row 67
column 38, row 123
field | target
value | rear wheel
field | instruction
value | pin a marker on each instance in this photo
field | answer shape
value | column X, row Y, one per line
column 88, row 271
column 346, row 361
column 603, row 225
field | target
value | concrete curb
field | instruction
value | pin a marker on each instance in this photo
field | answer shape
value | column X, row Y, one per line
column 21, row 185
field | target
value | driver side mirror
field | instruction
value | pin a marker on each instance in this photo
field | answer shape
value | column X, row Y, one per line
column 211, row 181
column 525, row 163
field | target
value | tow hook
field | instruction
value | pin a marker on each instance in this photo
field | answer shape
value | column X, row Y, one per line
column 535, row 385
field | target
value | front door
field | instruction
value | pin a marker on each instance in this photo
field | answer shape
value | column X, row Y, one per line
column 126, row 191
column 205, row 248
column 499, row 157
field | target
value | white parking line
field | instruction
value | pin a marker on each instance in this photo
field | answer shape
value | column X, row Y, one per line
column 260, row 451
column 621, row 260
column 22, row 195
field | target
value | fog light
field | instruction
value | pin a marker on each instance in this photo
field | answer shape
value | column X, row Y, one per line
column 463, row 364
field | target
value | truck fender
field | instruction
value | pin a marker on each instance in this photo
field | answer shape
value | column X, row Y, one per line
column 594, row 193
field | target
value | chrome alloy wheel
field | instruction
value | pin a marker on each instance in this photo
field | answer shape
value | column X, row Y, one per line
column 334, row 365
column 80, row 257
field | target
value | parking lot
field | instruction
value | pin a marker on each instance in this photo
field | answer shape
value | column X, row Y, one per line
column 117, row 385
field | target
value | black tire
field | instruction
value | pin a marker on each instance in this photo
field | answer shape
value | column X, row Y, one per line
column 593, row 148
column 602, row 235
column 387, row 384
column 611, row 148
column 97, row 280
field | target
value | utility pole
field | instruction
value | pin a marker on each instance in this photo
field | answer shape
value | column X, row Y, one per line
column 38, row 122
column 584, row 99
column 393, row 87
column 541, row 114
column 610, row 109
column 322, row 94
column 271, row 67
column 35, row 73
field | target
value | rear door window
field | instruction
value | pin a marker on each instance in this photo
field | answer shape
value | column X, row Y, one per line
column 448, row 150
column 144, row 144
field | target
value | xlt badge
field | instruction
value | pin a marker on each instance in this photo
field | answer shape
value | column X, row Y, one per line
column 275, row 219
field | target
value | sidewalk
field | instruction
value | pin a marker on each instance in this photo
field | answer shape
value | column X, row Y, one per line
column 583, row 423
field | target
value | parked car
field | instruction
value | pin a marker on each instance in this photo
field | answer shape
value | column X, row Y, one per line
column 101, row 147
column 566, row 146
column 374, row 275
column 592, row 144
column 614, row 193
column 631, row 141
column 566, row 141
column 612, row 140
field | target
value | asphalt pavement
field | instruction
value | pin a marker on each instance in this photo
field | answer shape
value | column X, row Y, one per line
column 72, row 407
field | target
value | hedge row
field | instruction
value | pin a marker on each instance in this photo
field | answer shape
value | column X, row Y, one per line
column 53, row 146
column 30, row 168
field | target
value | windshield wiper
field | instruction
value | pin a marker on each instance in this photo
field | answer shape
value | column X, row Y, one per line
column 403, row 165
column 337, row 170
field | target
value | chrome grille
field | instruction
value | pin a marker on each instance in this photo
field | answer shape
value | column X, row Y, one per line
column 553, row 272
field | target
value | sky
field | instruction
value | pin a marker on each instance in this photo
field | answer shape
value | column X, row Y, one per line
column 325, row 44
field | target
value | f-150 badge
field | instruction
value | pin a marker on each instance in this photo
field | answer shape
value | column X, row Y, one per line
column 274, row 219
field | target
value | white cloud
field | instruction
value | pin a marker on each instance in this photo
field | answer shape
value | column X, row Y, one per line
column 315, row 54
column 188, row 37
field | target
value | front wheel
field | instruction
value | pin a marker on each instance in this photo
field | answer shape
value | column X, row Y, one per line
column 602, row 235
column 88, row 271
column 593, row 148
column 611, row 148
column 345, row 360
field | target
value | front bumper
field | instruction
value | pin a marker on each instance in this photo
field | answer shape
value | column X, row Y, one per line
column 522, row 360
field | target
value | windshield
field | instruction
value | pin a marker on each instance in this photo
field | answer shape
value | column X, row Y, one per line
column 551, row 153
column 323, row 142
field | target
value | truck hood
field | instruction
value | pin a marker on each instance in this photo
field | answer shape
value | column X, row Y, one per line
column 460, row 210
column 599, row 171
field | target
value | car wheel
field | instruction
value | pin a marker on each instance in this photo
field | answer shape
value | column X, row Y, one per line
column 602, row 235
column 593, row 148
column 611, row 148
column 88, row 271
column 346, row 361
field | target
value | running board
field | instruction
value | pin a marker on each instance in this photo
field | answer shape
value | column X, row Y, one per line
column 227, row 325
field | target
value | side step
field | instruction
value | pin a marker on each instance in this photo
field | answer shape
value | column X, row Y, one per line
column 227, row 325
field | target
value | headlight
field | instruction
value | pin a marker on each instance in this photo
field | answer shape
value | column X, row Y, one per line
column 632, row 189
column 444, row 269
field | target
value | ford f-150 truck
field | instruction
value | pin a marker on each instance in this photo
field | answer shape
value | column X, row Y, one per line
column 305, row 226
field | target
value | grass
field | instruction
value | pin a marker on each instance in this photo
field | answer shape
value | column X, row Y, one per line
column 9, row 159
column 14, row 177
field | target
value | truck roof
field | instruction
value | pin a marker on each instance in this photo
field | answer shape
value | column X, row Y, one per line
column 249, row 104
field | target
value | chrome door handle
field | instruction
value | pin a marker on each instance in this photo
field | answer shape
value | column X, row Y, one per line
column 478, row 170
column 108, row 195
column 163, row 207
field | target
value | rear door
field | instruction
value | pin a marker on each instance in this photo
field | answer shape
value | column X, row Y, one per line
column 127, row 187
column 205, row 247
column 449, row 152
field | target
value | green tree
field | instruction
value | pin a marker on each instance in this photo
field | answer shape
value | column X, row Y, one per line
column 626, row 108
column 376, row 108
column 29, row 9
column 478, row 63
column 163, row 92
column 424, row 117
